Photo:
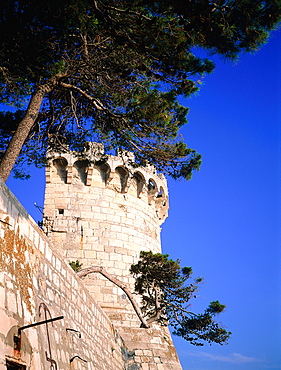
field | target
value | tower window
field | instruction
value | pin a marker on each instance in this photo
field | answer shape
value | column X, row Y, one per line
column 61, row 211
column 151, row 185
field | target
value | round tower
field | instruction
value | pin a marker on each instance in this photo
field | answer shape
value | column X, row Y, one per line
column 103, row 211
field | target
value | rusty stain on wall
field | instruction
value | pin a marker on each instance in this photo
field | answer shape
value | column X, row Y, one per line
column 13, row 260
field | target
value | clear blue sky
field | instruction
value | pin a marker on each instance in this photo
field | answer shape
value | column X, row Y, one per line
column 224, row 222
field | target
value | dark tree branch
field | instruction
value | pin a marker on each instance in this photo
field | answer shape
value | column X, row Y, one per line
column 96, row 269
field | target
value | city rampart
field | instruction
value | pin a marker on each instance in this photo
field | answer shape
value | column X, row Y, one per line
column 102, row 213
column 36, row 284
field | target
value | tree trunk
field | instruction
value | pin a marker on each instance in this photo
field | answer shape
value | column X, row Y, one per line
column 23, row 130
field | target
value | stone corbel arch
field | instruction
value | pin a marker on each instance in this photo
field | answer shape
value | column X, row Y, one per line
column 105, row 171
column 161, row 204
column 80, row 171
column 59, row 169
column 123, row 175
column 140, row 182
column 152, row 190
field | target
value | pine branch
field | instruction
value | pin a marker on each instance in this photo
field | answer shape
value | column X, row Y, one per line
column 97, row 269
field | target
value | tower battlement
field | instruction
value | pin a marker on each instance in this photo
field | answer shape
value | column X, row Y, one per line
column 37, row 284
column 93, row 168
column 103, row 210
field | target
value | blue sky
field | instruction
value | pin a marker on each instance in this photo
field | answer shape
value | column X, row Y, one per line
column 224, row 222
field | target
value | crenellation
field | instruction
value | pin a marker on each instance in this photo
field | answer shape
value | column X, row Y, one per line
column 101, row 211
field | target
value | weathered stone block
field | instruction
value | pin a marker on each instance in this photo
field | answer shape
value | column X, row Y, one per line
column 101, row 224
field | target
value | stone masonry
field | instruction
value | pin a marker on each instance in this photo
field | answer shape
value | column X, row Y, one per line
column 102, row 211
column 104, row 214
column 36, row 284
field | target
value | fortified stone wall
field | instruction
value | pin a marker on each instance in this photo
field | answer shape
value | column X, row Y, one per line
column 103, row 213
column 102, row 210
column 36, row 284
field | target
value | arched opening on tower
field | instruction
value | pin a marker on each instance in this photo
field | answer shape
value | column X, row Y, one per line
column 152, row 190
column 161, row 196
column 123, row 177
column 161, row 204
column 151, row 186
column 140, row 181
column 104, row 170
column 60, row 165
column 80, row 170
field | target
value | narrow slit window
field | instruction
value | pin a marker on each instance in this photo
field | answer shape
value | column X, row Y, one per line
column 61, row 211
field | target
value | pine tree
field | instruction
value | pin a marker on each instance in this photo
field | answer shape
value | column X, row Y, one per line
column 113, row 71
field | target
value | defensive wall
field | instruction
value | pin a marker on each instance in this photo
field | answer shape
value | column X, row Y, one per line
column 101, row 214
column 36, row 284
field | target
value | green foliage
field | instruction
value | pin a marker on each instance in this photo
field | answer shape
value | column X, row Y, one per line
column 76, row 265
column 166, row 295
column 120, row 68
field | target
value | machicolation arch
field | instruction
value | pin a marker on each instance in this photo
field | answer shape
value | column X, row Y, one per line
column 113, row 172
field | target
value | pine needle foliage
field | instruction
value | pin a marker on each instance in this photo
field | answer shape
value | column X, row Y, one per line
column 166, row 296
column 76, row 265
column 113, row 71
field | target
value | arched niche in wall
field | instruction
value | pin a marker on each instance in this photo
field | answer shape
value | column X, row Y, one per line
column 161, row 195
column 17, row 356
column 151, row 190
column 140, row 182
column 161, row 199
column 60, row 168
column 104, row 171
column 161, row 204
column 80, row 169
column 123, row 175
column 151, row 186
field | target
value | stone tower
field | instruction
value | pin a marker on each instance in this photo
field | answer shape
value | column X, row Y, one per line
column 103, row 211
